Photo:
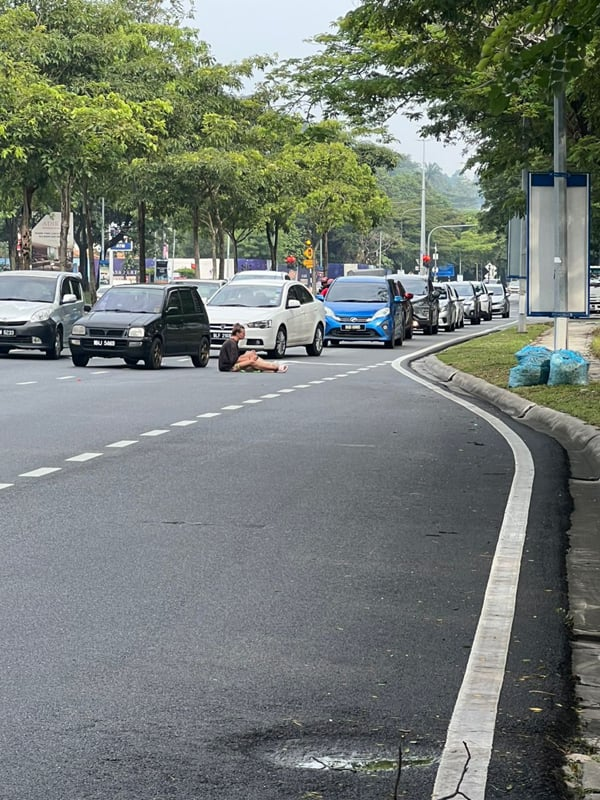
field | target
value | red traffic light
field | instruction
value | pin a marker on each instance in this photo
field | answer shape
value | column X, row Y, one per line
column 426, row 259
column 290, row 260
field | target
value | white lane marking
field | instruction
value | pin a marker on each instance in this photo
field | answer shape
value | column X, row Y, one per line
column 341, row 375
column 330, row 378
column 209, row 415
column 315, row 382
column 342, row 444
column 39, row 473
column 24, row 383
column 352, row 372
column 286, row 391
column 302, row 386
column 231, row 408
column 156, row 432
column 251, row 402
column 123, row 443
column 5, row 485
column 268, row 396
column 182, row 423
column 99, row 372
column 474, row 717
column 66, row 378
column 84, row 457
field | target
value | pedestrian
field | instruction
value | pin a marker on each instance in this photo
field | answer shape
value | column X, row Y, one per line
column 231, row 359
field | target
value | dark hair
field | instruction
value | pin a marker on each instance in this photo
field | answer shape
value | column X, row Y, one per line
column 237, row 328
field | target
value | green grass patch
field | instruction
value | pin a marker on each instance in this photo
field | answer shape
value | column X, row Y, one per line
column 491, row 358
column 595, row 345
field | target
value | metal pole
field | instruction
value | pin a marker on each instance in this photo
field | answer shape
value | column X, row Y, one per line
column 522, row 317
column 422, row 270
column 561, row 327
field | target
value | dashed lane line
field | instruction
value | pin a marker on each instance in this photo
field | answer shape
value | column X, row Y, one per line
column 155, row 432
column 84, row 457
column 6, row 485
column 183, row 423
column 25, row 383
column 40, row 472
column 231, row 408
column 123, row 443
column 209, row 415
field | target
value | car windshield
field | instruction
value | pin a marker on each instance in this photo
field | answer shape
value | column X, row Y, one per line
column 131, row 299
column 32, row 289
column 496, row 289
column 357, row 292
column 206, row 290
column 464, row 289
column 415, row 286
column 442, row 292
column 247, row 295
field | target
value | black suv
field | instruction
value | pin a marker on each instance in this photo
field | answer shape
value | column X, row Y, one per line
column 143, row 322
column 425, row 302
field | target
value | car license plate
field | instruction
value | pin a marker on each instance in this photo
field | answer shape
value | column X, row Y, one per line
column 352, row 327
column 7, row 332
column 104, row 342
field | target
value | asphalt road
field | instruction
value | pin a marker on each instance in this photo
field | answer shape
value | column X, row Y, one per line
column 213, row 584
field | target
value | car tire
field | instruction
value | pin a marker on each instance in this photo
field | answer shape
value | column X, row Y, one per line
column 79, row 360
column 390, row 343
column 280, row 344
column 131, row 362
column 154, row 358
column 315, row 348
column 202, row 357
column 55, row 350
column 506, row 315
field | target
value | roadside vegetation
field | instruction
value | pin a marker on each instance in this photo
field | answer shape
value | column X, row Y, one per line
column 491, row 358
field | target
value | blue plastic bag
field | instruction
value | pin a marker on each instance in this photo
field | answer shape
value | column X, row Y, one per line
column 533, row 368
column 568, row 367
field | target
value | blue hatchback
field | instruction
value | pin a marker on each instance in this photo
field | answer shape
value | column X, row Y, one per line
column 367, row 308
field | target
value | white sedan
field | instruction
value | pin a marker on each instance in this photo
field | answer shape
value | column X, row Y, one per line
column 276, row 315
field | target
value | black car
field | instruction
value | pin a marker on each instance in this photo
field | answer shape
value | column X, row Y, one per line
column 425, row 302
column 143, row 322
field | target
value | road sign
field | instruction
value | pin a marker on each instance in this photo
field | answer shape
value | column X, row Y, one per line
column 308, row 262
column 309, row 254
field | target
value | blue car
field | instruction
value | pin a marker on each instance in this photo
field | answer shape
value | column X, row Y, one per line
column 367, row 308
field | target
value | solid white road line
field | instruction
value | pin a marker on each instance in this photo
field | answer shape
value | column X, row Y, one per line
column 474, row 717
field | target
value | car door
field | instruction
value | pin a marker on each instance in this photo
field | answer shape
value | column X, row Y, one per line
column 174, row 331
column 397, row 307
column 69, row 310
column 191, row 319
column 297, row 319
column 311, row 312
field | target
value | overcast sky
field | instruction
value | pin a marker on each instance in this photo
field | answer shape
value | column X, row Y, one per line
column 235, row 29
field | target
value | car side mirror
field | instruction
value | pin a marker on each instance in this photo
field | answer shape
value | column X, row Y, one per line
column 69, row 298
column 409, row 295
column 87, row 307
column 320, row 297
column 292, row 303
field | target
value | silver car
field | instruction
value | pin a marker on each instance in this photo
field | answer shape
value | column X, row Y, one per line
column 451, row 312
column 38, row 309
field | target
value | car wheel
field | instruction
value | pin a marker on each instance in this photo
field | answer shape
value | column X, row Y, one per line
column 505, row 315
column 57, row 346
column 80, row 360
column 316, row 347
column 154, row 358
column 202, row 357
column 131, row 362
column 434, row 329
column 280, row 344
column 391, row 342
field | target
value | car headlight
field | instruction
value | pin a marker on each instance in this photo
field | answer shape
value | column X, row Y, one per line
column 260, row 323
column 329, row 313
column 42, row 315
column 136, row 333
column 78, row 330
column 381, row 314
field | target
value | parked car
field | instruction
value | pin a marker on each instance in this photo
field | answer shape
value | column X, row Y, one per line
column 260, row 274
column 38, row 309
column 513, row 287
column 277, row 314
column 485, row 300
column 206, row 288
column 470, row 298
column 500, row 301
column 143, row 322
column 424, row 300
column 450, row 307
column 367, row 308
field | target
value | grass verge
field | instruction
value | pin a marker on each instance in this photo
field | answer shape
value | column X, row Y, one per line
column 491, row 358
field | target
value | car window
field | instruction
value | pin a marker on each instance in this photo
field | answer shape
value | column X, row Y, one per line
column 418, row 286
column 198, row 304
column 173, row 301
column 30, row 288
column 75, row 288
column 187, row 301
column 464, row 290
column 303, row 295
column 358, row 292
column 244, row 294
column 136, row 299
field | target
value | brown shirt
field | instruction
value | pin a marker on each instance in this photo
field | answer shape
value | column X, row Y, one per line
column 228, row 355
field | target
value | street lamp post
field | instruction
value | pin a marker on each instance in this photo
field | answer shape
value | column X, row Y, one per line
column 438, row 227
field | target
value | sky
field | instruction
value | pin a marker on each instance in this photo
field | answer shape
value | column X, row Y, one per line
column 236, row 29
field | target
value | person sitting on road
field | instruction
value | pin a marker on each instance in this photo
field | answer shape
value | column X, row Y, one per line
column 231, row 360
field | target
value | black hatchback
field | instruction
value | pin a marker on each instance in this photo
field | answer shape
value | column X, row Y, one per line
column 143, row 322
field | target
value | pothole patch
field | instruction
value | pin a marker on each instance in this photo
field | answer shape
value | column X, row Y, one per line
column 369, row 763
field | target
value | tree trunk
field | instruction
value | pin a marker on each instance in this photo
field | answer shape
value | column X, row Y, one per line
column 325, row 263
column 65, row 219
column 13, row 237
column 273, row 239
column 142, row 240
column 24, row 259
column 196, row 238
column 89, row 276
